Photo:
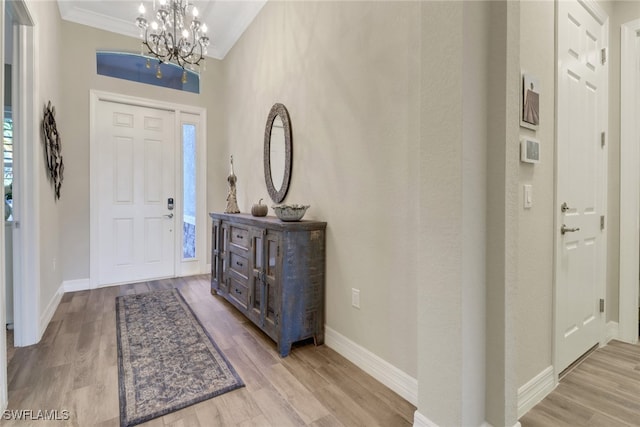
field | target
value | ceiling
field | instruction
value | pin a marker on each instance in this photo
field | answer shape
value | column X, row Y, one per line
column 226, row 19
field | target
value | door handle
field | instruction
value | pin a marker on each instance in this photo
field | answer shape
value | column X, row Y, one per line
column 564, row 229
column 168, row 216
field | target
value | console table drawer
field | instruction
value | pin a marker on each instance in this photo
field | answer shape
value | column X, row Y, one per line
column 239, row 264
column 240, row 236
column 239, row 292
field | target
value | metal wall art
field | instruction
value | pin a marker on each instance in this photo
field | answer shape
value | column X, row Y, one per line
column 52, row 148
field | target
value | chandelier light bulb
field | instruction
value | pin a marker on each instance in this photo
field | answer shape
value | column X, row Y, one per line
column 203, row 28
column 163, row 3
column 195, row 12
column 185, row 33
column 154, row 25
column 141, row 9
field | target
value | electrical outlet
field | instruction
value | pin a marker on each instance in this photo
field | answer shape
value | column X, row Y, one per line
column 355, row 297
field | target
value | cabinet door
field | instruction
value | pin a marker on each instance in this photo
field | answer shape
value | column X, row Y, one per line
column 216, row 262
column 223, row 264
column 257, row 276
column 271, row 292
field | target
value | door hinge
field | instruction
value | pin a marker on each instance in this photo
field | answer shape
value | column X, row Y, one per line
column 601, row 305
column 603, row 139
column 603, row 55
column 601, row 222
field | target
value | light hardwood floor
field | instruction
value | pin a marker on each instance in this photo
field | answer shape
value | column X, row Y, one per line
column 74, row 368
column 604, row 390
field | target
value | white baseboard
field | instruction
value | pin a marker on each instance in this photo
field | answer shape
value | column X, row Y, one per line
column 48, row 313
column 613, row 330
column 486, row 424
column 530, row 394
column 76, row 285
column 420, row 420
column 398, row 381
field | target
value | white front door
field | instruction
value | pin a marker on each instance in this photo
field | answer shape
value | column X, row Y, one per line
column 581, row 181
column 136, row 149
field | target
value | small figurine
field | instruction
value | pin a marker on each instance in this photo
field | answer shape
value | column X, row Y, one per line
column 232, row 202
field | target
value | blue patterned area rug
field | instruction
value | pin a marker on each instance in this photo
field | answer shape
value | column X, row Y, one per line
column 166, row 359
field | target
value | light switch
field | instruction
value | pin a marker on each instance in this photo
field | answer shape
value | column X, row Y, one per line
column 528, row 196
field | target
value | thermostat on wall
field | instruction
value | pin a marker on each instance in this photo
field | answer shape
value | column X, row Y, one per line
column 529, row 150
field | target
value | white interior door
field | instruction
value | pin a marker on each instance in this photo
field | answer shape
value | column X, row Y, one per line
column 581, row 181
column 136, row 180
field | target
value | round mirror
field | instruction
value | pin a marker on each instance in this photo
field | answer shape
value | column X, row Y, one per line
column 277, row 152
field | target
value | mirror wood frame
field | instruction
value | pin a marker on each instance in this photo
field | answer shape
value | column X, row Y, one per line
column 278, row 110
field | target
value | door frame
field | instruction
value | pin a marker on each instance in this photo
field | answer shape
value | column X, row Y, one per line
column 4, row 395
column 629, row 182
column 26, row 296
column 601, row 16
column 95, row 96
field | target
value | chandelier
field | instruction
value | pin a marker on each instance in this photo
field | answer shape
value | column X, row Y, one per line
column 172, row 38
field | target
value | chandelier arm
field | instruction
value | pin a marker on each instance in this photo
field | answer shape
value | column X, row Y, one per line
column 169, row 44
column 151, row 49
column 189, row 54
column 175, row 28
column 159, row 40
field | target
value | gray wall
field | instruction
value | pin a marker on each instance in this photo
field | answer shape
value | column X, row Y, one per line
column 536, row 225
column 348, row 74
column 48, row 66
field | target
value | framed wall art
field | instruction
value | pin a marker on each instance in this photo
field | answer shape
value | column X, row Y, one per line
column 530, row 102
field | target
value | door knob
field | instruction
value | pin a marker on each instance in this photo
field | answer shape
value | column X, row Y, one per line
column 564, row 207
column 564, row 229
column 169, row 216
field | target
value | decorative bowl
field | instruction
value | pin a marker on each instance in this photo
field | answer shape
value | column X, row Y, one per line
column 290, row 212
